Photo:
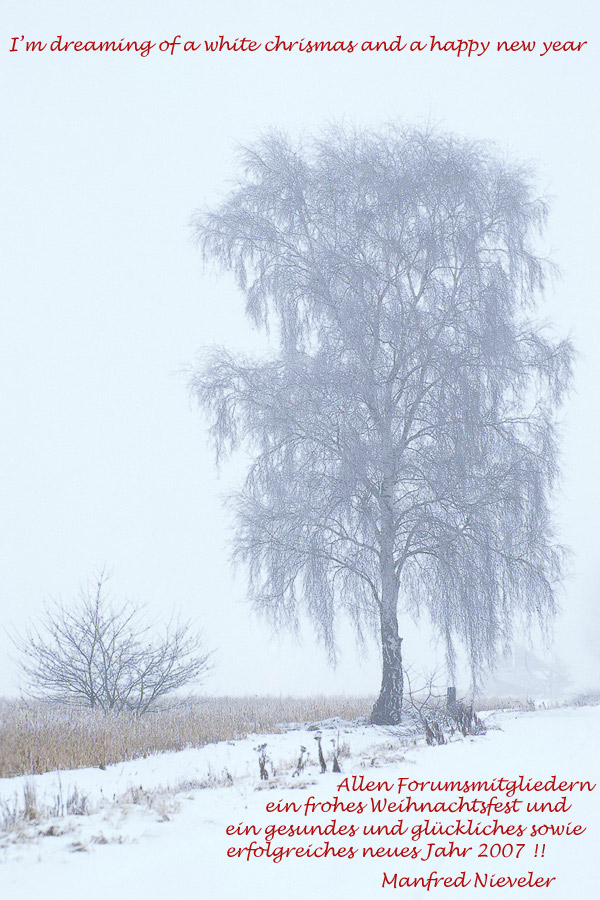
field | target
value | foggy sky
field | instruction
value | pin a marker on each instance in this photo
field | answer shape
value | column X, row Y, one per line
column 105, row 300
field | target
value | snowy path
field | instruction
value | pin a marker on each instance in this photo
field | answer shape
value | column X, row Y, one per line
column 184, row 856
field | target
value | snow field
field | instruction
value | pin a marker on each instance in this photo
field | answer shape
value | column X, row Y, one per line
column 158, row 825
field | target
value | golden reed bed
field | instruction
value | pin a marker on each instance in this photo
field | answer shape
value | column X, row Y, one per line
column 41, row 737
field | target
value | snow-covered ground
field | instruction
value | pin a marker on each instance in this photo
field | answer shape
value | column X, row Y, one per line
column 157, row 827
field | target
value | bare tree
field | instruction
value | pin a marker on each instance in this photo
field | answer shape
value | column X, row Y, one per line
column 404, row 429
column 103, row 654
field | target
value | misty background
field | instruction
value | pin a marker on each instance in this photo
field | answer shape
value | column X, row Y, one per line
column 105, row 300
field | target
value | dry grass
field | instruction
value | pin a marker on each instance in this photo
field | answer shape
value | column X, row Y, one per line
column 37, row 737
column 42, row 737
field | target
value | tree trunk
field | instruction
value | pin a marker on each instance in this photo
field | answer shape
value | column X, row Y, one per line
column 388, row 708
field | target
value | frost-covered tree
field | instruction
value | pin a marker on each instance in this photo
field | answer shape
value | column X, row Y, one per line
column 403, row 428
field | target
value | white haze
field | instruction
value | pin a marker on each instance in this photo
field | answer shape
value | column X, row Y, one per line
column 105, row 300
